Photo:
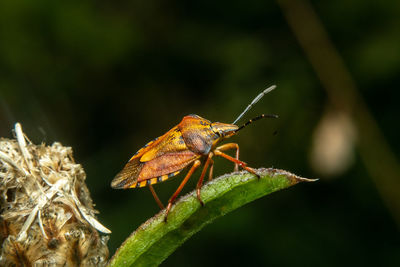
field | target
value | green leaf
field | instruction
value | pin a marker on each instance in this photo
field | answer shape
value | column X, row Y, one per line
column 155, row 240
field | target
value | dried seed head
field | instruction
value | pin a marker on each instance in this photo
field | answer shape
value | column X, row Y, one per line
column 47, row 215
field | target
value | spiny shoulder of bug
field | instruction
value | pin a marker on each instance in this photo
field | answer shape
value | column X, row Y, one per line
column 193, row 126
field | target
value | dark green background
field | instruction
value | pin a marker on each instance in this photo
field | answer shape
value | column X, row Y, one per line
column 106, row 77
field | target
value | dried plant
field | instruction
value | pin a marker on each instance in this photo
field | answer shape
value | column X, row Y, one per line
column 47, row 216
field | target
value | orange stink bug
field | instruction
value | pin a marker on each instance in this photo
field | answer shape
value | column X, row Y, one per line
column 193, row 141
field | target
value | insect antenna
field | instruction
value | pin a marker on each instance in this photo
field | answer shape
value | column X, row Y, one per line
column 273, row 116
column 255, row 100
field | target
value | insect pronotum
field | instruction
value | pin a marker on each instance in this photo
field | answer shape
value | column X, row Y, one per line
column 192, row 142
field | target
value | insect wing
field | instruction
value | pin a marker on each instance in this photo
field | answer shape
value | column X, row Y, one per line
column 128, row 175
column 161, row 159
column 167, row 157
column 166, row 164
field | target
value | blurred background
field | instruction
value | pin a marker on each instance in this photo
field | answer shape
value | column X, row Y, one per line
column 106, row 77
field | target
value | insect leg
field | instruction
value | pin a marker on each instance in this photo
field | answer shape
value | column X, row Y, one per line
column 210, row 174
column 159, row 203
column 231, row 146
column 200, row 182
column 242, row 164
column 195, row 165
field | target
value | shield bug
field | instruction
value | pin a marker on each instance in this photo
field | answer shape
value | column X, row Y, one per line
column 192, row 142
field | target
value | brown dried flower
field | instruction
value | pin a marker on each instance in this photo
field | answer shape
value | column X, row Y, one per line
column 46, row 216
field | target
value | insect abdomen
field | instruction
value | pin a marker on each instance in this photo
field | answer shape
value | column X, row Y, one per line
column 155, row 180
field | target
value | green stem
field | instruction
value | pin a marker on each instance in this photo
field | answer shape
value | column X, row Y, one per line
column 155, row 240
